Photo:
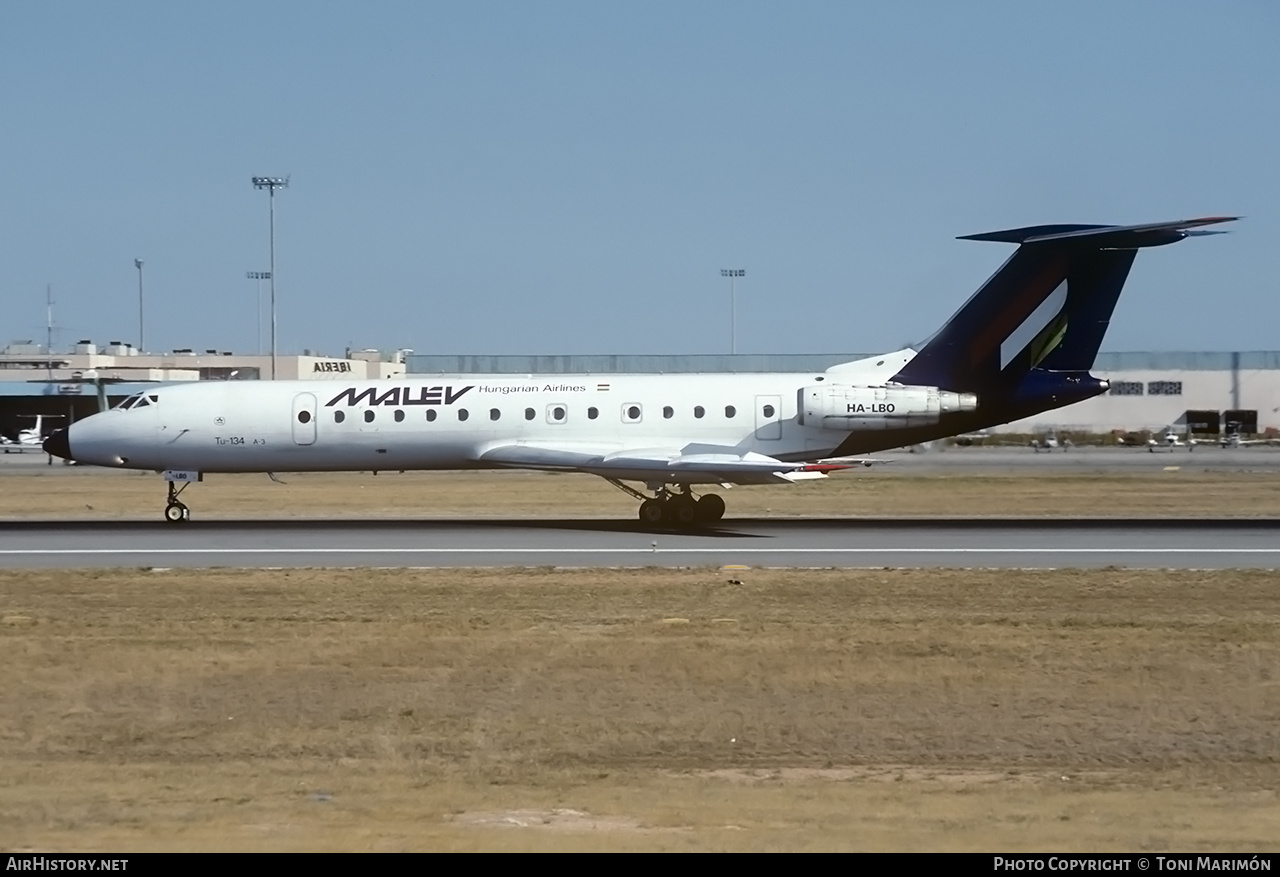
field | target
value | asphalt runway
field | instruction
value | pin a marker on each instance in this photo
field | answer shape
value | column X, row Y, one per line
column 776, row 542
column 845, row 543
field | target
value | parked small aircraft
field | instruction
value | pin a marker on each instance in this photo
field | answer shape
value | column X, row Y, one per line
column 29, row 439
column 1233, row 439
column 1050, row 442
column 1172, row 440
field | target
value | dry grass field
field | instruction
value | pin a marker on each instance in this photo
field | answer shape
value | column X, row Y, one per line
column 639, row 709
column 96, row 494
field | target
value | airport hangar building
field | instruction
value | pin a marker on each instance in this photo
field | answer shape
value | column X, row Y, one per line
column 1149, row 391
column 66, row 386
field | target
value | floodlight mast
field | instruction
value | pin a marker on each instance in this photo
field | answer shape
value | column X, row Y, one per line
column 259, row 276
column 271, row 184
column 733, row 274
column 142, row 339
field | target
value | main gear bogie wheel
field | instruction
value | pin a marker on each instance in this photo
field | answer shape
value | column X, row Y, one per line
column 651, row 511
column 710, row 507
column 682, row 511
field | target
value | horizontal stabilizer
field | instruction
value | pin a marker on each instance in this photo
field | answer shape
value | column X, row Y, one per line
column 1025, row 341
column 1104, row 237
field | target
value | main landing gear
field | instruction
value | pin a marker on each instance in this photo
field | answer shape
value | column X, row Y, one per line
column 672, row 508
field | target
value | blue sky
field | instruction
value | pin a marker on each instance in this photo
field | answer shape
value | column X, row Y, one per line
column 564, row 177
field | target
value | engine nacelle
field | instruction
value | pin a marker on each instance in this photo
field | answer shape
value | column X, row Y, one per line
column 894, row 406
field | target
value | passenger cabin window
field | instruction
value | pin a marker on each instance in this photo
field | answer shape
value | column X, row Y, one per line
column 631, row 413
column 556, row 413
column 463, row 414
column 431, row 415
column 399, row 416
column 369, row 415
column 529, row 414
column 668, row 412
column 768, row 411
column 494, row 413
column 593, row 413
column 304, row 416
column 730, row 411
column 339, row 416
column 699, row 411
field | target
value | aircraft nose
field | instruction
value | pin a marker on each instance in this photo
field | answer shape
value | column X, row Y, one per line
column 58, row 444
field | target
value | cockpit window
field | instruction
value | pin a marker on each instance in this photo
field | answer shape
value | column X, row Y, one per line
column 138, row 400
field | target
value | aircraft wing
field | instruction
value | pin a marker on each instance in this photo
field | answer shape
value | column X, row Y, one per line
column 693, row 463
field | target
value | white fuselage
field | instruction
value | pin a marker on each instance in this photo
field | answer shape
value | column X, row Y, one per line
column 450, row 422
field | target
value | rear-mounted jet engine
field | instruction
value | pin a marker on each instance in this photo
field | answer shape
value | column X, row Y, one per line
column 833, row 406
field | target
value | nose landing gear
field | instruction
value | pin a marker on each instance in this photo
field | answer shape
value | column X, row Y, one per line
column 175, row 511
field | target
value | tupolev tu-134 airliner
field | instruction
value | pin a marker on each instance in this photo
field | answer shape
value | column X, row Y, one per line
column 1022, row 344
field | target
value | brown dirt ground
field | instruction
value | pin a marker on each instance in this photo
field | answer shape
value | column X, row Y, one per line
column 639, row 709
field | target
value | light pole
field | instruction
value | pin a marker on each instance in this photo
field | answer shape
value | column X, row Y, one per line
column 259, row 276
column 142, row 340
column 271, row 184
column 733, row 274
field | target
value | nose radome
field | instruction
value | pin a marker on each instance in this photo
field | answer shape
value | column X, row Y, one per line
column 58, row 444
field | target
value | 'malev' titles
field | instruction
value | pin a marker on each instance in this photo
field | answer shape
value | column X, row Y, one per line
column 400, row 396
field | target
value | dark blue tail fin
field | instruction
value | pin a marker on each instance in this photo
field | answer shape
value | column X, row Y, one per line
column 1032, row 331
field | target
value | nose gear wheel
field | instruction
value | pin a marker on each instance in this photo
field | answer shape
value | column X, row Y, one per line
column 176, row 512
